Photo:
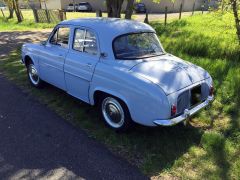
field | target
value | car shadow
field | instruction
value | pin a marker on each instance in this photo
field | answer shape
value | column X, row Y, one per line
column 152, row 149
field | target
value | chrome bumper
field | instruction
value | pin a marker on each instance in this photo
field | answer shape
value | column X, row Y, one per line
column 187, row 113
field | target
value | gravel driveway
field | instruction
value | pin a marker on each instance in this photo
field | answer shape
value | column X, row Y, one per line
column 35, row 143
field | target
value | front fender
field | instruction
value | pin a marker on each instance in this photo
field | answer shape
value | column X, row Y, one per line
column 30, row 50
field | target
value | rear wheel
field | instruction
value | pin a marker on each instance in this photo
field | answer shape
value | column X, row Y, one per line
column 33, row 76
column 115, row 113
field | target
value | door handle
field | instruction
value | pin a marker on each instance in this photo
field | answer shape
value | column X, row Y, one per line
column 61, row 55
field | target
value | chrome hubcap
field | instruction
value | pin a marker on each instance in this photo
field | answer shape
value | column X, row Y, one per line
column 33, row 74
column 113, row 112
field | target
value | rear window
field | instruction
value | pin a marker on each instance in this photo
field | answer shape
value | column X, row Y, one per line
column 137, row 46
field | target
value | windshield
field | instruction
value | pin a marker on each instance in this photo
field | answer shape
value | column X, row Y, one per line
column 137, row 46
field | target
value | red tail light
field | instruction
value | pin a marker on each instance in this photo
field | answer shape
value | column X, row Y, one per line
column 173, row 110
column 211, row 91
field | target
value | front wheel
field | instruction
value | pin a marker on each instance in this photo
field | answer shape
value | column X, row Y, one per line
column 115, row 114
column 33, row 76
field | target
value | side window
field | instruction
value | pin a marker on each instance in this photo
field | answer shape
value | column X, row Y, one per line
column 61, row 37
column 85, row 41
column 90, row 43
column 79, row 39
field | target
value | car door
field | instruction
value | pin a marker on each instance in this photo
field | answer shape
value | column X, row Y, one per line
column 53, row 55
column 80, row 62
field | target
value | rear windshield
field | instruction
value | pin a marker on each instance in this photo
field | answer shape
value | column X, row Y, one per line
column 137, row 46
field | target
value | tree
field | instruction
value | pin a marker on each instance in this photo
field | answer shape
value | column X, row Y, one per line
column 235, row 7
column 13, row 6
column 114, row 8
column 10, row 8
column 129, row 9
column 17, row 10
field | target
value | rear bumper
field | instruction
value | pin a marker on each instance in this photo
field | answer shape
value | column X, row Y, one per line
column 187, row 113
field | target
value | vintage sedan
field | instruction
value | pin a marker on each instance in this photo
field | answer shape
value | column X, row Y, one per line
column 121, row 66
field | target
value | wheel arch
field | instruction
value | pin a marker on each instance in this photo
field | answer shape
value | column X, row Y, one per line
column 101, row 92
column 98, row 93
column 27, row 60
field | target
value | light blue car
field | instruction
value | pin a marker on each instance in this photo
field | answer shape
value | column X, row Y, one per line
column 120, row 66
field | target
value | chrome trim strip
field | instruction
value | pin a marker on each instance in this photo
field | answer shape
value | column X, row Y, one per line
column 187, row 113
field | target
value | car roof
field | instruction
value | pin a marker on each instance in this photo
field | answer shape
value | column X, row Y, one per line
column 111, row 27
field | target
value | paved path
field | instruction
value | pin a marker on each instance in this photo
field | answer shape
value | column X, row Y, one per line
column 35, row 143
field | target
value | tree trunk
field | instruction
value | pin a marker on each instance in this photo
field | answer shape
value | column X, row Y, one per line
column 109, row 8
column 11, row 11
column 129, row 9
column 40, row 4
column 114, row 8
column 17, row 11
column 237, row 21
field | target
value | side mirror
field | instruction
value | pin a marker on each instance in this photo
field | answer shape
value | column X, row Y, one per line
column 43, row 43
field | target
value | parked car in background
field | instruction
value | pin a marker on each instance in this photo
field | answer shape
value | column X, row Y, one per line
column 140, row 8
column 120, row 66
column 84, row 6
column 3, row 6
column 71, row 7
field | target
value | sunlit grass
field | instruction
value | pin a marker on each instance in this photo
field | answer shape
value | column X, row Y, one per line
column 29, row 22
column 210, row 41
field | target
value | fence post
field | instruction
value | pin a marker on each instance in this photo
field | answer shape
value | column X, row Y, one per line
column 202, row 8
column 60, row 15
column 193, row 8
column 180, row 11
column 146, row 18
column 166, row 11
column 47, row 15
column 99, row 13
column 35, row 14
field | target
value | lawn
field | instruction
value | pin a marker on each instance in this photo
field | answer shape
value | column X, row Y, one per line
column 199, row 151
column 29, row 23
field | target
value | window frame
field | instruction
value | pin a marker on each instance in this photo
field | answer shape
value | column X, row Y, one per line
column 130, row 33
column 56, row 30
column 85, row 32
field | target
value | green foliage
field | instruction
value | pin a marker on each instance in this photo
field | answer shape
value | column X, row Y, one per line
column 216, row 37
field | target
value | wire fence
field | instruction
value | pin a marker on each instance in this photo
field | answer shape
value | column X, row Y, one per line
column 48, row 16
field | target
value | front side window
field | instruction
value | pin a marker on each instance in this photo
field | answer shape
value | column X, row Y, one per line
column 137, row 46
column 61, row 37
column 85, row 41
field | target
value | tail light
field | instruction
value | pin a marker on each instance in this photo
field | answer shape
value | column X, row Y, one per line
column 211, row 91
column 173, row 110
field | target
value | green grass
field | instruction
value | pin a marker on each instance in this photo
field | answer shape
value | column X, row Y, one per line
column 200, row 151
column 29, row 23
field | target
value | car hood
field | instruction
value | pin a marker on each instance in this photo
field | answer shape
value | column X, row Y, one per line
column 170, row 72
